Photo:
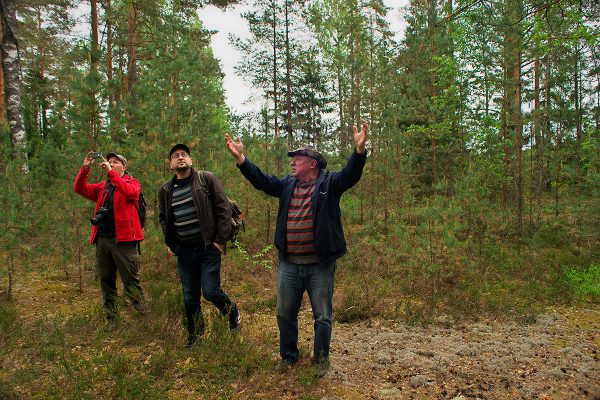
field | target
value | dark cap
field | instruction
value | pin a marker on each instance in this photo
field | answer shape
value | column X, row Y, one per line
column 120, row 157
column 312, row 153
column 179, row 146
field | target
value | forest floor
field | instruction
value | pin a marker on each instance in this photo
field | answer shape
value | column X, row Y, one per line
column 554, row 356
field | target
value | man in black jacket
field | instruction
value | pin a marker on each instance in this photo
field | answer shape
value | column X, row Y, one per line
column 309, row 237
column 195, row 216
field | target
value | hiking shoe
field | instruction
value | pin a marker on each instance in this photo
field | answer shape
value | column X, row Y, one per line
column 321, row 368
column 234, row 318
column 191, row 339
column 284, row 365
column 140, row 307
column 111, row 317
column 111, row 321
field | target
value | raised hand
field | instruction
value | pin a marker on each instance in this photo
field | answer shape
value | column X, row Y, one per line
column 236, row 148
column 105, row 165
column 360, row 138
column 88, row 160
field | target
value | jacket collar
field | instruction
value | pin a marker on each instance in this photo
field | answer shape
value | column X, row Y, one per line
column 126, row 177
column 171, row 182
column 318, row 180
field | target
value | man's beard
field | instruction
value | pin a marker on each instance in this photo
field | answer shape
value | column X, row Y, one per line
column 182, row 169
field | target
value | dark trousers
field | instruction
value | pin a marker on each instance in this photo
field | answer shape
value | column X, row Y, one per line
column 200, row 274
column 113, row 257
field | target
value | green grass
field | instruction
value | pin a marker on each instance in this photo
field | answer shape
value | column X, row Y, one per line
column 8, row 315
column 585, row 282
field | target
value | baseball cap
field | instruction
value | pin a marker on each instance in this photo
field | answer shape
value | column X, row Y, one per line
column 120, row 157
column 309, row 152
column 179, row 146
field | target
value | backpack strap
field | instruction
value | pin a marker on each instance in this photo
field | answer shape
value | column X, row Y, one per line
column 203, row 181
column 205, row 184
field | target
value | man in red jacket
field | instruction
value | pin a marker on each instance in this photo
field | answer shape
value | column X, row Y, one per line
column 116, row 229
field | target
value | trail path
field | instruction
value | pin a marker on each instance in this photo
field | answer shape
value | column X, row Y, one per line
column 556, row 357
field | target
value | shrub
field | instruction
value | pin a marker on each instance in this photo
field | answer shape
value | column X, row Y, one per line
column 585, row 283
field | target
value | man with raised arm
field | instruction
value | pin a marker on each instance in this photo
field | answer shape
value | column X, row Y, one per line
column 309, row 237
column 116, row 228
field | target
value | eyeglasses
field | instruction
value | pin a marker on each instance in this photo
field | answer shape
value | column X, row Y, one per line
column 183, row 154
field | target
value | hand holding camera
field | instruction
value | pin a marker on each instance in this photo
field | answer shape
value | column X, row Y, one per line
column 91, row 157
column 105, row 165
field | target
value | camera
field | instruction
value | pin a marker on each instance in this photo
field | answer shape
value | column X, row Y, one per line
column 96, row 155
column 100, row 215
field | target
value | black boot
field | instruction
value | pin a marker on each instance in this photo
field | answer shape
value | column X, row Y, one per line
column 234, row 318
column 191, row 339
column 195, row 327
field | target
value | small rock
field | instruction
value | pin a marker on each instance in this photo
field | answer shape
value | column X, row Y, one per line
column 482, row 328
column 390, row 393
column 571, row 352
column 383, row 358
column 547, row 319
column 418, row 381
column 594, row 392
column 444, row 320
column 426, row 353
column 556, row 373
column 466, row 351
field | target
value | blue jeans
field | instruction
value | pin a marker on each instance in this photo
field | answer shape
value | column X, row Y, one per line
column 292, row 281
column 200, row 273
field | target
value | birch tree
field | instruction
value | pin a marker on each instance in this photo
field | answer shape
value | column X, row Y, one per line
column 11, row 68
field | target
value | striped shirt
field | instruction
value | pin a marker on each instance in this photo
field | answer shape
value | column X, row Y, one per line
column 184, row 210
column 300, row 245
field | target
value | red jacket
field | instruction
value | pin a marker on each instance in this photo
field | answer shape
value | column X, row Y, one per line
column 125, row 203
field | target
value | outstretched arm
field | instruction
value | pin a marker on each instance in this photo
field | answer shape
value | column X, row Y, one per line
column 81, row 186
column 351, row 173
column 269, row 184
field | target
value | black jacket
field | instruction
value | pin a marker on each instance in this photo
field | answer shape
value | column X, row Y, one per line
column 212, row 208
column 328, row 232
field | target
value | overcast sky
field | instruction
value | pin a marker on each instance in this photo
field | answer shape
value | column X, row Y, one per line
column 237, row 90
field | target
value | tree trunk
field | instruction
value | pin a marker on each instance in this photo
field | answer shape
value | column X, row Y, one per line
column 288, row 79
column 578, row 134
column 558, row 171
column 11, row 67
column 2, row 102
column 114, row 130
column 506, row 151
column 43, row 120
column 172, row 103
column 537, row 179
column 513, row 41
column 431, row 26
column 275, row 97
column 131, row 66
column 374, row 138
column 342, row 131
column 94, row 59
column 517, row 126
